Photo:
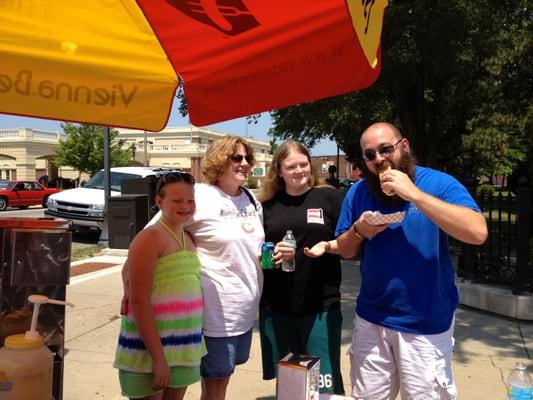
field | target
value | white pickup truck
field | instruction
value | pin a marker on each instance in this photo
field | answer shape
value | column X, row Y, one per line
column 83, row 207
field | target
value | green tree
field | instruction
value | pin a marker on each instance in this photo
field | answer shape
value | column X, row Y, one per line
column 449, row 70
column 456, row 79
column 273, row 143
column 83, row 149
column 499, row 135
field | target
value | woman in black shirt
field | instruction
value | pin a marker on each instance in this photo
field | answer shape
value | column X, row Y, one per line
column 300, row 310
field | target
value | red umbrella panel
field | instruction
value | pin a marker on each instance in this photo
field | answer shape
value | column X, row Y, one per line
column 243, row 57
column 119, row 62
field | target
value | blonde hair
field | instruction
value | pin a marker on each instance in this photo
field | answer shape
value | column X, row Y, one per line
column 217, row 157
column 274, row 182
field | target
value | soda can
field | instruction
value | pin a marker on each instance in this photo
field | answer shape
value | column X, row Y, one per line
column 267, row 255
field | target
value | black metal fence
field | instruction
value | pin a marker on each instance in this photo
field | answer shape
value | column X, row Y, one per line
column 506, row 257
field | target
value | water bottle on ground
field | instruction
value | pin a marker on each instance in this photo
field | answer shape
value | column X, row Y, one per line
column 519, row 383
column 289, row 265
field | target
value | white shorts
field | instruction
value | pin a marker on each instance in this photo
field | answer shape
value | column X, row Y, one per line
column 384, row 361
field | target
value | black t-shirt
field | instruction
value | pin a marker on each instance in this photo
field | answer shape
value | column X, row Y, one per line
column 314, row 285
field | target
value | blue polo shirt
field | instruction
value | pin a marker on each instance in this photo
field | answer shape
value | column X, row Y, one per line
column 408, row 280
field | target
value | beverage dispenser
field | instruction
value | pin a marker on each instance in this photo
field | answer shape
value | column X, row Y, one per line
column 35, row 257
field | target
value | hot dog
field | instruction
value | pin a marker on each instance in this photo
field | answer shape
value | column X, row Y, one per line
column 385, row 166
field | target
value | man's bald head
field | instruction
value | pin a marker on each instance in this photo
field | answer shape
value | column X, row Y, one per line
column 381, row 129
column 385, row 143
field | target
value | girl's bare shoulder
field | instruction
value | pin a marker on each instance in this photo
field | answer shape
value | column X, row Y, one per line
column 190, row 244
column 151, row 238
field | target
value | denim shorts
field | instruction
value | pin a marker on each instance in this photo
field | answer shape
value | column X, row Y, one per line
column 223, row 354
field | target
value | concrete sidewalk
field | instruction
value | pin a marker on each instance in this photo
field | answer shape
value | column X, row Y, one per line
column 486, row 348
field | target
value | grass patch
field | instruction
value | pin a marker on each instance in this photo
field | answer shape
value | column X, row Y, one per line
column 86, row 252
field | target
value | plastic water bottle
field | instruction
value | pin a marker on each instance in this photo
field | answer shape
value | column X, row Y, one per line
column 519, row 384
column 289, row 265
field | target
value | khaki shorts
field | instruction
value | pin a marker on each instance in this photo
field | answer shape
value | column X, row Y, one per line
column 384, row 362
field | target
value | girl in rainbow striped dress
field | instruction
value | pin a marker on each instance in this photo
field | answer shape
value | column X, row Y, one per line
column 161, row 343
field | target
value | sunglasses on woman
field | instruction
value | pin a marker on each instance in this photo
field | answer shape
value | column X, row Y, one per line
column 384, row 150
column 237, row 158
column 172, row 177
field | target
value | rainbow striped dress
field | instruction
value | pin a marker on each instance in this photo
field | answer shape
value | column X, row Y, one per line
column 177, row 305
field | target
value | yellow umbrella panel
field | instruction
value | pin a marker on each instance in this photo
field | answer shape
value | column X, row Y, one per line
column 86, row 61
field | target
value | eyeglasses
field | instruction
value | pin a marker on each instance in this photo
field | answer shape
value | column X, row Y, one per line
column 174, row 177
column 237, row 158
column 385, row 150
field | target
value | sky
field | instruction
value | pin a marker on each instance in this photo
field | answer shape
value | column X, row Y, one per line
column 237, row 127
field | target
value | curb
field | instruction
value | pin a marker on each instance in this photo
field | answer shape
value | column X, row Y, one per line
column 100, row 259
column 497, row 300
column 94, row 275
column 114, row 252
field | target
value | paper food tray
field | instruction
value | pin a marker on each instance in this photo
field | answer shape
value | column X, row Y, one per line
column 378, row 218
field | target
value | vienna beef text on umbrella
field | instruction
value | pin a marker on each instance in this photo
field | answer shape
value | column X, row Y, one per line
column 120, row 62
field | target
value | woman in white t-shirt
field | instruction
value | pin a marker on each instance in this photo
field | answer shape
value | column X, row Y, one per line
column 227, row 229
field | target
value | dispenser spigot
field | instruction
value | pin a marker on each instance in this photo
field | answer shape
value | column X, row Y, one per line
column 37, row 300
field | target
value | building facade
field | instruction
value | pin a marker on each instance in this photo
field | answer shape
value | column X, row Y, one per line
column 184, row 147
column 28, row 154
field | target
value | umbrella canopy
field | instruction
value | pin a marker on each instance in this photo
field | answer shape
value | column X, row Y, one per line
column 119, row 62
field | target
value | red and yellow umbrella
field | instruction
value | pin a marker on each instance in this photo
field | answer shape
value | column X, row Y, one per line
column 119, row 62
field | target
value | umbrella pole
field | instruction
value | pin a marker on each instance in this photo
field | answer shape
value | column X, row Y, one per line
column 104, row 236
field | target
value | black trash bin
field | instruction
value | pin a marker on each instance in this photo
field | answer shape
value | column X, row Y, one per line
column 127, row 216
column 147, row 186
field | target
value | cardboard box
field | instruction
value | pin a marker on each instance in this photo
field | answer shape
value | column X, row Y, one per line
column 298, row 378
column 335, row 397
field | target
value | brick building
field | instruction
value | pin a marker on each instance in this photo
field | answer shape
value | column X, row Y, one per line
column 346, row 169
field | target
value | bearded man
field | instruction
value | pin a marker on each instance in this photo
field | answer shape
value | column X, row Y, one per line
column 403, row 335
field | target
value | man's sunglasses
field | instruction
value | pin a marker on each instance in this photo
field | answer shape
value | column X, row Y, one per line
column 172, row 177
column 385, row 150
column 237, row 158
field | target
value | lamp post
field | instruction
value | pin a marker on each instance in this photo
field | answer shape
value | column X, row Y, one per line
column 146, row 142
column 133, row 148
column 145, row 149
column 104, row 235
column 338, row 162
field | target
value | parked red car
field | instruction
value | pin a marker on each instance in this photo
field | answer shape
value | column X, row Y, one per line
column 23, row 194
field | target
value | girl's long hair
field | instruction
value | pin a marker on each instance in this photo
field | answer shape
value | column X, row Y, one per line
column 274, row 182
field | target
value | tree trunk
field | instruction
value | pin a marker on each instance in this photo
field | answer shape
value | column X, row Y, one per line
column 412, row 115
